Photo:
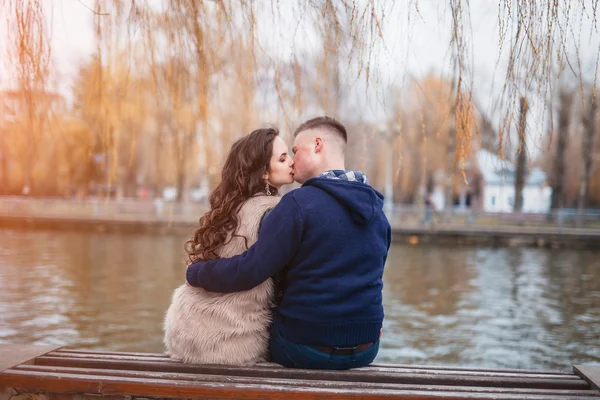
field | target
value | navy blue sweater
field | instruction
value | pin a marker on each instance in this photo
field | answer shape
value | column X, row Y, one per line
column 329, row 239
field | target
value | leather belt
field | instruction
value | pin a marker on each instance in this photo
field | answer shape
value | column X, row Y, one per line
column 344, row 350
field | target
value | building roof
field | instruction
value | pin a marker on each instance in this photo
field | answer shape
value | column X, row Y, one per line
column 496, row 171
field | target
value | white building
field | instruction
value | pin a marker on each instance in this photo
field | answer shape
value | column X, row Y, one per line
column 498, row 186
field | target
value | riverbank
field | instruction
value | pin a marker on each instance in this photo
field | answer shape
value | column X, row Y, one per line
column 447, row 234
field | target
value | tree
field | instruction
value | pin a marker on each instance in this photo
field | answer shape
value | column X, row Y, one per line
column 587, row 150
column 558, row 172
column 521, row 172
column 431, row 134
column 112, row 104
column 3, row 163
column 220, row 44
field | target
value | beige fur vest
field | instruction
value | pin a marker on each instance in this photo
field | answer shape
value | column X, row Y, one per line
column 223, row 328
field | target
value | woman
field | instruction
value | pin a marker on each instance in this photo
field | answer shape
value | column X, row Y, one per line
column 216, row 328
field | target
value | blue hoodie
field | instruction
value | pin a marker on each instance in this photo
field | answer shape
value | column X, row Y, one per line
column 329, row 241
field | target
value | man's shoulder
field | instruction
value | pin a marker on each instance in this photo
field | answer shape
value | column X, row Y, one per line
column 302, row 194
column 288, row 199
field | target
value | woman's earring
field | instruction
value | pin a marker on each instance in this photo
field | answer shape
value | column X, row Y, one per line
column 268, row 189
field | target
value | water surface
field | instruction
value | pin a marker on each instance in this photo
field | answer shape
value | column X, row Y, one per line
column 485, row 307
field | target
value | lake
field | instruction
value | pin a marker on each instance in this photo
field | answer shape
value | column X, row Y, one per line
column 508, row 307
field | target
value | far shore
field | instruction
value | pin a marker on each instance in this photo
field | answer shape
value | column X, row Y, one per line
column 167, row 218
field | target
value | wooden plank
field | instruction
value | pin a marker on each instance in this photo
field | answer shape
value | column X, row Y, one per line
column 453, row 368
column 233, row 380
column 351, row 375
column 376, row 365
column 100, row 358
column 371, row 369
column 118, row 353
column 591, row 373
column 165, row 388
column 15, row 354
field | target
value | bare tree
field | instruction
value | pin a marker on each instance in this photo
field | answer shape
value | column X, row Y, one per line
column 521, row 172
column 538, row 36
column 558, row 173
column 587, row 150
column 3, row 164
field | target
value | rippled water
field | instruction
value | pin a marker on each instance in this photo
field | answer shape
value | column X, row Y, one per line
column 495, row 307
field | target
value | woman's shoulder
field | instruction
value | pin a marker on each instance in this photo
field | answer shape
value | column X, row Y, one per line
column 258, row 205
column 261, row 202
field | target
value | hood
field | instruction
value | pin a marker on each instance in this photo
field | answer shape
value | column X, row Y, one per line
column 361, row 200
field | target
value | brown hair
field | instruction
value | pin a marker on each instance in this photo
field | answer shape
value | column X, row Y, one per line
column 331, row 124
column 241, row 178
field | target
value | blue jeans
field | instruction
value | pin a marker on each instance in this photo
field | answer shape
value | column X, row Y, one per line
column 294, row 355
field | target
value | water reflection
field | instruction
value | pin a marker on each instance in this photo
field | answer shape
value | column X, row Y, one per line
column 495, row 307
column 85, row 289
column 502, row 307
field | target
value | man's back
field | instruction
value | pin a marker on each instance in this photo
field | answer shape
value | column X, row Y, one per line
column 332, row 286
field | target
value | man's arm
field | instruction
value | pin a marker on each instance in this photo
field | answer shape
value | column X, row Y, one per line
column 277, row 243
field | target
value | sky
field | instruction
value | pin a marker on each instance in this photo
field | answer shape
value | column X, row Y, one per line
column 416, row 43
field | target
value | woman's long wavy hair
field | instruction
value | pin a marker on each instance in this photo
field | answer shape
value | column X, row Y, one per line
column 241, row 178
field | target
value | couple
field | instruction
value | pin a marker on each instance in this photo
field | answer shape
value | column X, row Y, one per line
column 307, row 290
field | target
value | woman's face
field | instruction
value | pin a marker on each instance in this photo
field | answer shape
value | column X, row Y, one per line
column 281, row 166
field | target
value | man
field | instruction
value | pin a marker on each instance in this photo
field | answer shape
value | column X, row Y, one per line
column 328, row 241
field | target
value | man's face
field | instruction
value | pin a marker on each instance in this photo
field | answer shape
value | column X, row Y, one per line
column 304, row 156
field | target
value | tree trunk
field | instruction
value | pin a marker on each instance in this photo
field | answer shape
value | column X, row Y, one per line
column 31, row 152
column 157, row 186
column 587, row 152
column 203, row 78
column 448, row 193
column 132, row 167
column 179, row 153
column 3, row 165
column 180, row 181
column 558, row 173
column 521, row 159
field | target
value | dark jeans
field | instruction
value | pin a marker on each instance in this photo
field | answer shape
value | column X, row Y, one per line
column 294, row 355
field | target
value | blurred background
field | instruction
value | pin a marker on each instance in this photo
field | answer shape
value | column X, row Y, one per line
column 463, row 114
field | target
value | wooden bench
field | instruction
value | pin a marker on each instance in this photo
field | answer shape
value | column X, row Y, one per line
column 84, row 375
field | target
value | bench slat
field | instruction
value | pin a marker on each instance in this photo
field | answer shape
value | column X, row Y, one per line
column 368, row 370
column 351, row 375
column 11, row 355
column 452, row 368
column 102, row 357
column 54, row 382
column 591, row 373
column 92, row 353
column 288, row 382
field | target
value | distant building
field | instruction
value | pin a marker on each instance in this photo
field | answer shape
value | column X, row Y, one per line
column 497, row 186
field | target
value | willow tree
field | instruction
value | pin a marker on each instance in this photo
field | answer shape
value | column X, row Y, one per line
column 558, row 171
column 521, row 167
column 536, row 35
column 590, row 126
column 31, row 55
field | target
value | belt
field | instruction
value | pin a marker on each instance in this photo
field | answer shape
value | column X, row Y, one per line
column 344, row 350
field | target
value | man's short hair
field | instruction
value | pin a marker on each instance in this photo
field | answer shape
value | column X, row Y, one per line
column 330, row 124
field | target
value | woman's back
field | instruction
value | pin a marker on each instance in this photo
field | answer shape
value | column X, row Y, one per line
column 224, row 328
